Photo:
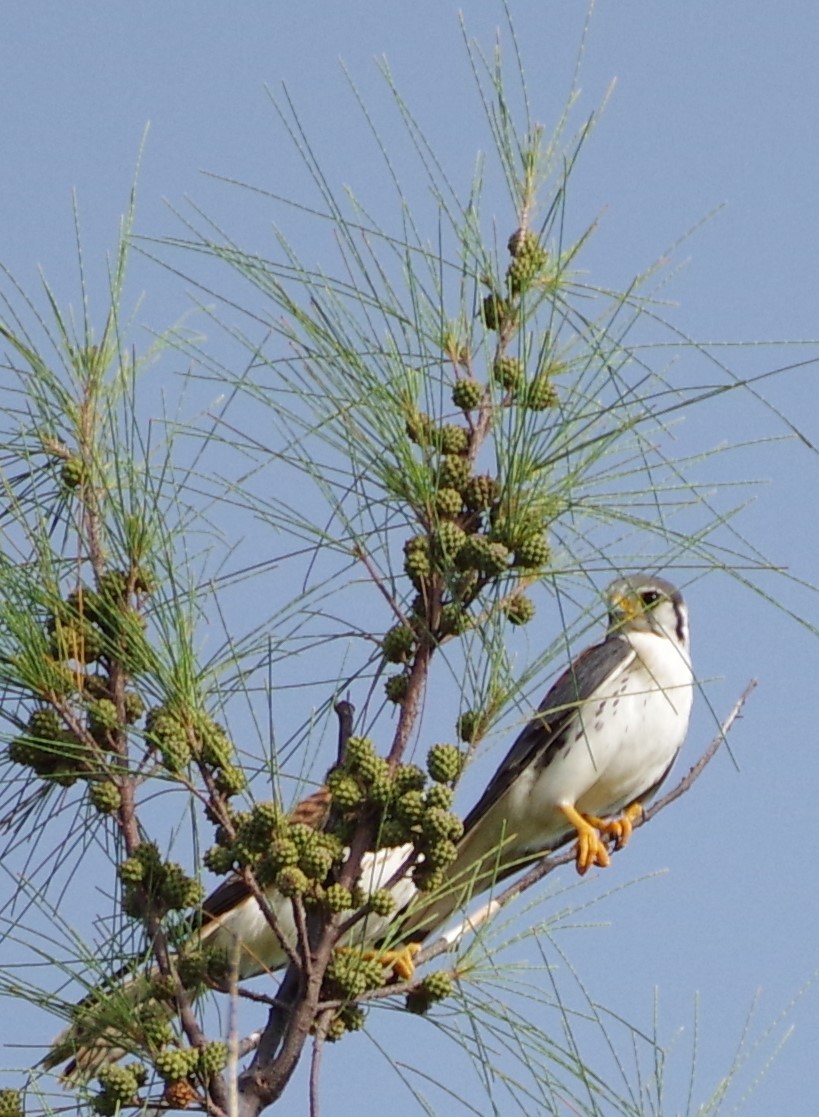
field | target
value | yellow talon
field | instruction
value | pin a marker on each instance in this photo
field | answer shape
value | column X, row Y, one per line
column 618, row 829
column 399, row 960
column 591, row 849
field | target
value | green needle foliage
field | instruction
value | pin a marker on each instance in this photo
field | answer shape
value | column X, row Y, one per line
column 444, row 435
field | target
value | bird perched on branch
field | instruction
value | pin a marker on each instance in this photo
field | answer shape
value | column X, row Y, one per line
column 601, row 743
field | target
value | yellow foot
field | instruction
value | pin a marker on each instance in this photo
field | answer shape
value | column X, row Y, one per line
column 618, row 829
column 400, row 960
column 591, row 849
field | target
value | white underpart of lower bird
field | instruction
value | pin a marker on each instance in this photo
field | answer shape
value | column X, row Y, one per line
column 261, row 949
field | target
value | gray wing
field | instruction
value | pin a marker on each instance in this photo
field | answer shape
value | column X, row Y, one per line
column 545, row 734
column 224, row 898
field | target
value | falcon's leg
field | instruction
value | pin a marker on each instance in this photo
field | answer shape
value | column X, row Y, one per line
column 619, row 829
column 591, row 849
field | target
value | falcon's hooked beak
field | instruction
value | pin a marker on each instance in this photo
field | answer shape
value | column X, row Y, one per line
column 629, row 609
column 624, row 608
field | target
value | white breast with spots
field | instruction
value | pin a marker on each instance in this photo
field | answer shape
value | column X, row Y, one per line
column 620, row 744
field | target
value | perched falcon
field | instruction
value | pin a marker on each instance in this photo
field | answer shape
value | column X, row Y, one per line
column 601, row 743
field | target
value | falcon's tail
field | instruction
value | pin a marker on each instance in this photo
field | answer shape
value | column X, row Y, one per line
column 476, row 869
column 105, row 1026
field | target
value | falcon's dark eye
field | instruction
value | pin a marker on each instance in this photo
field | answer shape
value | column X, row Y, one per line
column 650, row 598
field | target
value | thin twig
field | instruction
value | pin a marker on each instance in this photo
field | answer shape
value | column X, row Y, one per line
column 696, row 769
column 416, row 683
column 281, row 1010
column 322, row 1025
column 378, row 581
column 233, row 1042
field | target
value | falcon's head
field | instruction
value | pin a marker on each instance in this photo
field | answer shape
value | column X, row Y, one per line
column 646, row 603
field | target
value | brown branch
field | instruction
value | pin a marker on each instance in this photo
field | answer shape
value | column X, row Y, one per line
column 363, row 839
column 416, row 682
column 303, row 935
column 282, row 1042
column 344, row 712
column 294, row 1013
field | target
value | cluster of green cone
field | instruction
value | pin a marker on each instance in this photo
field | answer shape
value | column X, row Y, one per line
column 178, row 1067
column 298, row 859
column 478, row 531
column 78, row 730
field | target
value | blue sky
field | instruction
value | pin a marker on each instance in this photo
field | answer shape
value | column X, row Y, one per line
column 713, row 107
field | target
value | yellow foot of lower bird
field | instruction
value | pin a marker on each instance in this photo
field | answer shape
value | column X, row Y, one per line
column 401, row 960
column 591, row 849
column 618, row 829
